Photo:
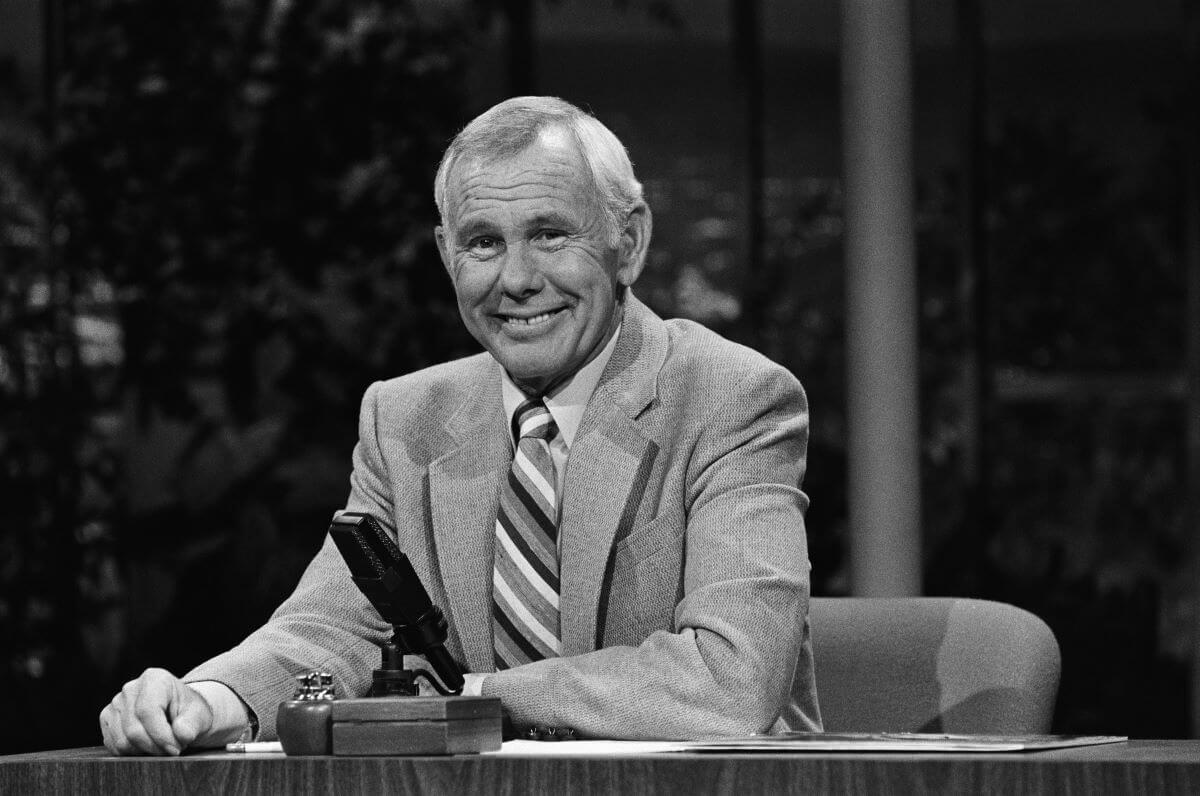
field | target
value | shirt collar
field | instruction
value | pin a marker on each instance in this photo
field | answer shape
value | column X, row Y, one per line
column 568, row 402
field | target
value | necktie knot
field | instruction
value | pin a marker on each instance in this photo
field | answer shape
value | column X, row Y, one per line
column 533, row 420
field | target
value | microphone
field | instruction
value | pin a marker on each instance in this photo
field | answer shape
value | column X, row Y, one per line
column 384, row 574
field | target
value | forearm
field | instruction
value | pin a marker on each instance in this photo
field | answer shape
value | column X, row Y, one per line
column 326, row 624
column 689, row 684
column 723, row 667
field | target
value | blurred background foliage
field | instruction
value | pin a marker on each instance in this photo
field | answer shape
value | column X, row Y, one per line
column 241, row 210
column 215, row 232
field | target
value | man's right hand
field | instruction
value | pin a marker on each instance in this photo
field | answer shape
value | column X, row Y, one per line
column 156, row 714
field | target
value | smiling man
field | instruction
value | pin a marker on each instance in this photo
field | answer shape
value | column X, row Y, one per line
column 606, row 505
column 539, row 268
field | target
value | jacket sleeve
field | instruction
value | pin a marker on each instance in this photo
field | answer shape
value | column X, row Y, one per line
column 326, row 623
column 726, row 666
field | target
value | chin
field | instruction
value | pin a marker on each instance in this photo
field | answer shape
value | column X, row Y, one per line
column 532, row 376
column 526, row 369
column 531, row 361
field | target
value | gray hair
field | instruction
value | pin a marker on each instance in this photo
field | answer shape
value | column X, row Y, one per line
column 507, row 129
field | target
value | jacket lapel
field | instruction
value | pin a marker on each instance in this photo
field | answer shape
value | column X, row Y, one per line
column 463, row 490
column 606, row 472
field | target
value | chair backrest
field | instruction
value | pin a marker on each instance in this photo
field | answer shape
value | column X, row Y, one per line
column 932, row 664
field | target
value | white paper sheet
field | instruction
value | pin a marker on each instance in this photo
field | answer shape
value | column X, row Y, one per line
column 791, row 743
column 588, row 748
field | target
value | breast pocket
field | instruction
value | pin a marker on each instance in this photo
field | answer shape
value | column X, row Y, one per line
column 646, row 585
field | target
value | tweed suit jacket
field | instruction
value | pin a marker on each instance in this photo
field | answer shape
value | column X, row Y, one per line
column 684, row 561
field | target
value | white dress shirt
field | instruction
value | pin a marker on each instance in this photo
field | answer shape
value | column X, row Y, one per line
column 566, row 405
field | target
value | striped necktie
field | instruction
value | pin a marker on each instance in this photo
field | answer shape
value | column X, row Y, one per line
column 525, row 575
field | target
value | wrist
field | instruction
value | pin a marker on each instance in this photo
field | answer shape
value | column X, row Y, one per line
column 232, row 720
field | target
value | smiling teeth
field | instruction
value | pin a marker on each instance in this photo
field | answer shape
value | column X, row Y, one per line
column 536, row 319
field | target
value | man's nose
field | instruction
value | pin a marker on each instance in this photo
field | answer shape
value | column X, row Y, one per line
column 519, row 274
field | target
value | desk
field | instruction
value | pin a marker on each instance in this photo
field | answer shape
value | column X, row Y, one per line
column 1137, row 767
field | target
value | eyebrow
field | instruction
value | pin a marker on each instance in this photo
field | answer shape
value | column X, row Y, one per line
column 552, row 219
column 465, row 231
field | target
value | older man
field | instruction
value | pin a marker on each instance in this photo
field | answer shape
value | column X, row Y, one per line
column 606, row 505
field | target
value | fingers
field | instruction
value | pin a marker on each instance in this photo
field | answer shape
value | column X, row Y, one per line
column 110, row 730
column 190, row 715
column 113, row 728
column 137, row 721
column 150, row 707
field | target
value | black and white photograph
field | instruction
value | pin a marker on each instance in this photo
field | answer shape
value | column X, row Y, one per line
column 600, row 396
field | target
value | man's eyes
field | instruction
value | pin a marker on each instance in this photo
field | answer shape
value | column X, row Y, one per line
column 549, row 235
column 486, row 245
column 483, row 244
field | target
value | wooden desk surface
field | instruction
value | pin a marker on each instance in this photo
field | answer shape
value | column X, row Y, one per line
column 1135, row 767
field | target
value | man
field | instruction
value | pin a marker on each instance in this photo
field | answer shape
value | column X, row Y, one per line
column 606, row 505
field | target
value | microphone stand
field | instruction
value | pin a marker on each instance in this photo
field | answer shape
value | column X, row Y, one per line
column 391, row 678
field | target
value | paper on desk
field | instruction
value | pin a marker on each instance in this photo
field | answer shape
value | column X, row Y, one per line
column 588, row 748
column 785, row 743
column 896, row 742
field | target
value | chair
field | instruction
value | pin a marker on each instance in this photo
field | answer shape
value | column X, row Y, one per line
column 932, row 664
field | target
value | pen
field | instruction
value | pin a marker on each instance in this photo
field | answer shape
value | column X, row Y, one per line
column 251, row 747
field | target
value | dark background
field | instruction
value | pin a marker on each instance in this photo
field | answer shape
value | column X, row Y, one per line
column 215, row 231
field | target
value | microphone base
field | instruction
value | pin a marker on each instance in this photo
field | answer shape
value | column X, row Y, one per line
column 434, row 725
column 393, row 683
column 391, row 679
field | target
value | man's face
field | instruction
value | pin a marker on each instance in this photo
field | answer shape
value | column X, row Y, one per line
column 537, row 274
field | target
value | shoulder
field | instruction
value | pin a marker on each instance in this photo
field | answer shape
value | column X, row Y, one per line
column 438, row 389
column 713, row 368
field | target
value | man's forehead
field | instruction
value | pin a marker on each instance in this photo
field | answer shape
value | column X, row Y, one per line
column 552, row 159
column 555, row 147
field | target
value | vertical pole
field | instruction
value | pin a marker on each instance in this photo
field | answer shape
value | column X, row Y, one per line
column 1191, row 256
column 881, row 294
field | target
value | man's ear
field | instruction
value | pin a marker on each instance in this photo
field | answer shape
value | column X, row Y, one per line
column 634, row 243
column 439, row 234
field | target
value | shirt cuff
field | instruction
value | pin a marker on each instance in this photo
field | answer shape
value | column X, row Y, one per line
column 231, row 718
column 473, row 684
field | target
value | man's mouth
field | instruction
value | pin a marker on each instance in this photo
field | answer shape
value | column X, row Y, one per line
column 530, row 320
